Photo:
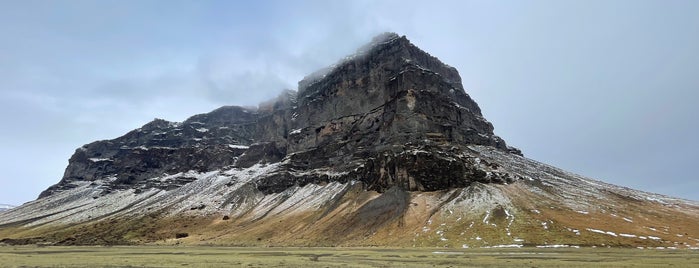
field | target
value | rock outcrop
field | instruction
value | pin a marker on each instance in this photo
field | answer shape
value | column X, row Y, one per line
column 356, row 120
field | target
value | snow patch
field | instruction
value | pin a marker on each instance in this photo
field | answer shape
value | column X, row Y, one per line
column 505, row 246
column 601, row 232
column 485, row 219
column 99, row 159
column 576, row 231
column 557, row 246
column 238, row 146
column 449, row 252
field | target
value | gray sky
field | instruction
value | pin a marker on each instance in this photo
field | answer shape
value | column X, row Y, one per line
column 605, row 89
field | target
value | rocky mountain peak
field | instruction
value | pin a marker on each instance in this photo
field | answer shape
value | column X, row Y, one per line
column 392, row 71
column 224, row 115
column 388, row 50
column 357, row 118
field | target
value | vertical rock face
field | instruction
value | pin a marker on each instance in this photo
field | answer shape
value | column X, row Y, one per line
column 389, row 115
column 392, row 82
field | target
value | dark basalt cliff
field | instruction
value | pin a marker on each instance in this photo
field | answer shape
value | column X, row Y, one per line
column 390, row 115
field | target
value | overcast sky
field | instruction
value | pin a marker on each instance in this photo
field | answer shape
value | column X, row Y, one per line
column 606, row 89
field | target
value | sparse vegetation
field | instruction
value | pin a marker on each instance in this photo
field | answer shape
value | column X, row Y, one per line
column 32, row 256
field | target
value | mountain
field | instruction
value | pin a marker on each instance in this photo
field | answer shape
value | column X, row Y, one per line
column 4, row 207
column 385, row 148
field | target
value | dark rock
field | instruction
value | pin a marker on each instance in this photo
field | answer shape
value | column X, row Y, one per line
column 267, row 152
column 514, row 150
column 390, row 115
column 181, row 235
column 199, row 207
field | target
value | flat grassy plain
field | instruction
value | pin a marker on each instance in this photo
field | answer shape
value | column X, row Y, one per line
column 159, row 256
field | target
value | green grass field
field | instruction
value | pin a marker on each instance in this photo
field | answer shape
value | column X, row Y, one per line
column 152, row 256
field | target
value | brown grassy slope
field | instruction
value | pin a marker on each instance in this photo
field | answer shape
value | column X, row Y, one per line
column 519, row 215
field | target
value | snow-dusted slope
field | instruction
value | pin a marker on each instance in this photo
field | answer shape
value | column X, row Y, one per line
column 545, row 206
